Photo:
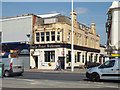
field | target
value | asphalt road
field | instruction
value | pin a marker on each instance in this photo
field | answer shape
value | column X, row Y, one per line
column 55, row 80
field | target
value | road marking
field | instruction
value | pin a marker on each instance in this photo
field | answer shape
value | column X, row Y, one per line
column 27, row 80
column 111, row 86
column 89, row 82
column 95, row 82
column 32, row 83
column 100, row 83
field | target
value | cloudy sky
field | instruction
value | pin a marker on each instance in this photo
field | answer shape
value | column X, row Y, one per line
column 87, row 12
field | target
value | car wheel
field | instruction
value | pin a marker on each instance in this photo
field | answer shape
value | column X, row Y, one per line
column 20, row 74
column 7, row 74
column 95, row 77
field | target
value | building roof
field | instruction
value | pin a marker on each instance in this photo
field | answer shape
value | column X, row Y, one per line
column 115, row 4
column 17, row 16
column 48, row 15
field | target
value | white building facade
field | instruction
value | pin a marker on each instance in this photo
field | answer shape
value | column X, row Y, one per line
column 113, row 25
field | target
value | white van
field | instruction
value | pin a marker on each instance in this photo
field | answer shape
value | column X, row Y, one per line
column 12, row 66
column 110, row 70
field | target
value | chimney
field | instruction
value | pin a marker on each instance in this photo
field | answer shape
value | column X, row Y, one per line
column 93, row 31
column 75, row 24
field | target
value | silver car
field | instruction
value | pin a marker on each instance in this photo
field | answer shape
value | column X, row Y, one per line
column 110, row 70
column 12, row 66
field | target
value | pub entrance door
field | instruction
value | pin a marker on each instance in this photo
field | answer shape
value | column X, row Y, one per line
column 36, row 61
column 62, row 60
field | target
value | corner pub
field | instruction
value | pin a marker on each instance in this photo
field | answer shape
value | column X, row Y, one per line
column 51, row 40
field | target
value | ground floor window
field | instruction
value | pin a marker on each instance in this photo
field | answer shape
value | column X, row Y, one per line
column 49, row 56
column 82, row 58
column 78, row 56
column 96, row 57
column 69, row 54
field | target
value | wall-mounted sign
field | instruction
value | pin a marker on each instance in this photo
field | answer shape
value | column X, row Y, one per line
column 51, row 20
column 45, row 46
column 36, row 53
column 44, row 64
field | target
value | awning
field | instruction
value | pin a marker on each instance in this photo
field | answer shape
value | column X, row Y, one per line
column 5, row 55
column 16, row 45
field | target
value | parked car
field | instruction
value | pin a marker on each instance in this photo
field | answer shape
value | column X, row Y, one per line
column 91, row 64
column 109, row 70
column 12, row 66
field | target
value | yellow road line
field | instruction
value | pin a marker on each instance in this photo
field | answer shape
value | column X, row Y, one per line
column 111, row 86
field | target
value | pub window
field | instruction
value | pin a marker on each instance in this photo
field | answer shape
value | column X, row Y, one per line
column 85, row 40
column 69, row 37
column 58, row 36
column 37, row 37
column 47, row 36
column 96, row 57
column 42, row 36
column 69, row 54
column 49, row 56
column 0, row 36
column 82, row 58
column 78, row 56
column 53, row 36
column 78, row 39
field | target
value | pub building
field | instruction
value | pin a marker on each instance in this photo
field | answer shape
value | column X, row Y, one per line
column 51, row 41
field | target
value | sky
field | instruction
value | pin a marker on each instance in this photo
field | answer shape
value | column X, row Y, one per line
column 87, row 12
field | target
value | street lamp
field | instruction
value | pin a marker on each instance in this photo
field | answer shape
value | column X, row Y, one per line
column 72, row 56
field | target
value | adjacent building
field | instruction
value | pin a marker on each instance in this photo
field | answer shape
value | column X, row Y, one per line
column 15, row 36
column 113, row 27
column 51, row 41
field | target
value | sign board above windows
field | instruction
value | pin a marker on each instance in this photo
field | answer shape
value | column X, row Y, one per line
column 50, row 20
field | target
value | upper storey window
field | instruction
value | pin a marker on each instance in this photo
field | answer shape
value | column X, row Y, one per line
column 86, row 40
column 58, row 36
column 47, row 36
column 37, row 37
column 69, row 37
column 42, row 36
column 53, row 36
column 78, row 39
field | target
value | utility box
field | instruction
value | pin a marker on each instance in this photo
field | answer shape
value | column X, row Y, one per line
column 1, row 70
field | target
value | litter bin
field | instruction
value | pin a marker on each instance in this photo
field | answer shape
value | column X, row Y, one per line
column 1, row 70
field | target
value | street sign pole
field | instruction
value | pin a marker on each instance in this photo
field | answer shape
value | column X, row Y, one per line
column 72, row 53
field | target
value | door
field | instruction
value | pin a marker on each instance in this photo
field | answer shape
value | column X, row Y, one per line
column 118, row 69
column 36, row 61
column 108, row 70
column 62, row 60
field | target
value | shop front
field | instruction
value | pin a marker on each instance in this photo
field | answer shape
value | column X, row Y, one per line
column 45, row 56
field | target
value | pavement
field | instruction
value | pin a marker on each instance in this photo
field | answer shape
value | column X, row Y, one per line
column 54, row 71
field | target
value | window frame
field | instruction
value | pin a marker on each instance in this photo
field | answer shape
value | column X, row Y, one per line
column 41, row 36
column 37, row 37
column 52, row 36
column 59, row 36
column 47, row 36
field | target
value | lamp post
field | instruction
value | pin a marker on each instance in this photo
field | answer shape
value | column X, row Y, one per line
column 72, row 56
